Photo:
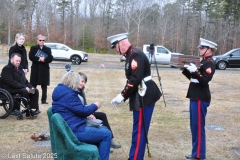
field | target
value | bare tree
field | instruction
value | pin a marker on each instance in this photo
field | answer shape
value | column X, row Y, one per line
column 124, row 16
column 40, row 20
column 176, row 24
column 63, row 8
column 76, row 22
column 8, row 13
column 140, row 12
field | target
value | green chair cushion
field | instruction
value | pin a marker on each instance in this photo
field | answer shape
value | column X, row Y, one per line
column 50, row 113
column 67, row 146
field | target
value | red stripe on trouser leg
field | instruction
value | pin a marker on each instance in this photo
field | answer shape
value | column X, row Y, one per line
column 138, row 134
column 199, row 129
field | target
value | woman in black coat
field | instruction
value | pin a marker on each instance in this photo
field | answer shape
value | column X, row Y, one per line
column 40, row 70
column 19, row 48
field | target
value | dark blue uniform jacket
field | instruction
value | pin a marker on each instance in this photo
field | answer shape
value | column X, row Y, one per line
column 137, row 67
column 201, row 91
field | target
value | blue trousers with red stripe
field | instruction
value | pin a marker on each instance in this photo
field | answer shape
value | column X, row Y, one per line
column 198, row 112
column 138, row 145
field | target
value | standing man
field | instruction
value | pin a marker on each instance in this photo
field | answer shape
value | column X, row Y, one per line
column 18, row 47
column 40, row 70
column 200, row 96
column 15, row 82
column 137, row 71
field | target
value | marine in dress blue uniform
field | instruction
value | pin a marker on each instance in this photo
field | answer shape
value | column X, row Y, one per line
column 137, row 68
column 200, row 96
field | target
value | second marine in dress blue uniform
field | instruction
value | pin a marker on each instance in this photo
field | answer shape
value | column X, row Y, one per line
column 200, row 97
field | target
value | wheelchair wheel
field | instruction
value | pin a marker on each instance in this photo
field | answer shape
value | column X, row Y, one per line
column 6, row 103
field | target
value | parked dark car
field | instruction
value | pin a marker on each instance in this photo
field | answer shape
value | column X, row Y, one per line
column 231, row 59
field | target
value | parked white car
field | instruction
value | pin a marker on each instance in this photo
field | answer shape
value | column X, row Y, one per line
column 162, row 54
column 65, row 53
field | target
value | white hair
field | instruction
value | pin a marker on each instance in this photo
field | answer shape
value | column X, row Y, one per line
column 41, row 36
column 71, row 79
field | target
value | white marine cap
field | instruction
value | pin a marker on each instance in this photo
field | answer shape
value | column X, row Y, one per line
column 116, row 38
column 206, row 43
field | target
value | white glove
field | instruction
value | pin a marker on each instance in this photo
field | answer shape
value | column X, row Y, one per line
column 191, row 67
column 117, row 100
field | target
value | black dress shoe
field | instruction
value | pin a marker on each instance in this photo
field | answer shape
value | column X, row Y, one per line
column 16, row 113
column 32, row 114
column 45, row 102
column 36, row 112
column 190, row 157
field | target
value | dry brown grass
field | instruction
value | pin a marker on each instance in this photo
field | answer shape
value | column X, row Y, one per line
column 169, row 134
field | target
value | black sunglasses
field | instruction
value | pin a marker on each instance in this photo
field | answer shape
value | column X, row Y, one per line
column 41, row 40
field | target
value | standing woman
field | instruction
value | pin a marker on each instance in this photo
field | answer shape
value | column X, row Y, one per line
column 40, row 70
column 19, row 48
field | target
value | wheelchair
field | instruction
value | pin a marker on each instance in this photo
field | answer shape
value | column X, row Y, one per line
column 7, row 102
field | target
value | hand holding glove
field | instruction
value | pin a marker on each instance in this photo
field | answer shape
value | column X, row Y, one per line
column 191, row 67
column 117, row 100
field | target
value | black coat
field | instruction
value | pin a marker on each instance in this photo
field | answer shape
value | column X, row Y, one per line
column 22, row 51
column 40, row 71
column 12, row 79
column 137, row 67
column 200, row 90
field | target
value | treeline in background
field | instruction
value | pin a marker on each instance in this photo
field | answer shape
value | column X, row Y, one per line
column 86, row 24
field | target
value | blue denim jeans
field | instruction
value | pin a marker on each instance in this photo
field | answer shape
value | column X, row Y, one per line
column 101, row 136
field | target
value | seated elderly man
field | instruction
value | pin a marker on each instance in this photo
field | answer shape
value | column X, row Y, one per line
column 15, row 82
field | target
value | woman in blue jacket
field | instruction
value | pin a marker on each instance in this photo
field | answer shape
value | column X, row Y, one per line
column 74, row 112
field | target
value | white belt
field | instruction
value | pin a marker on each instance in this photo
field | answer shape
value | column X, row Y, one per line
column 147, row 78
column 196, row 81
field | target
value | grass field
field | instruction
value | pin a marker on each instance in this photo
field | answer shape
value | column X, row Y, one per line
column 169, row 134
